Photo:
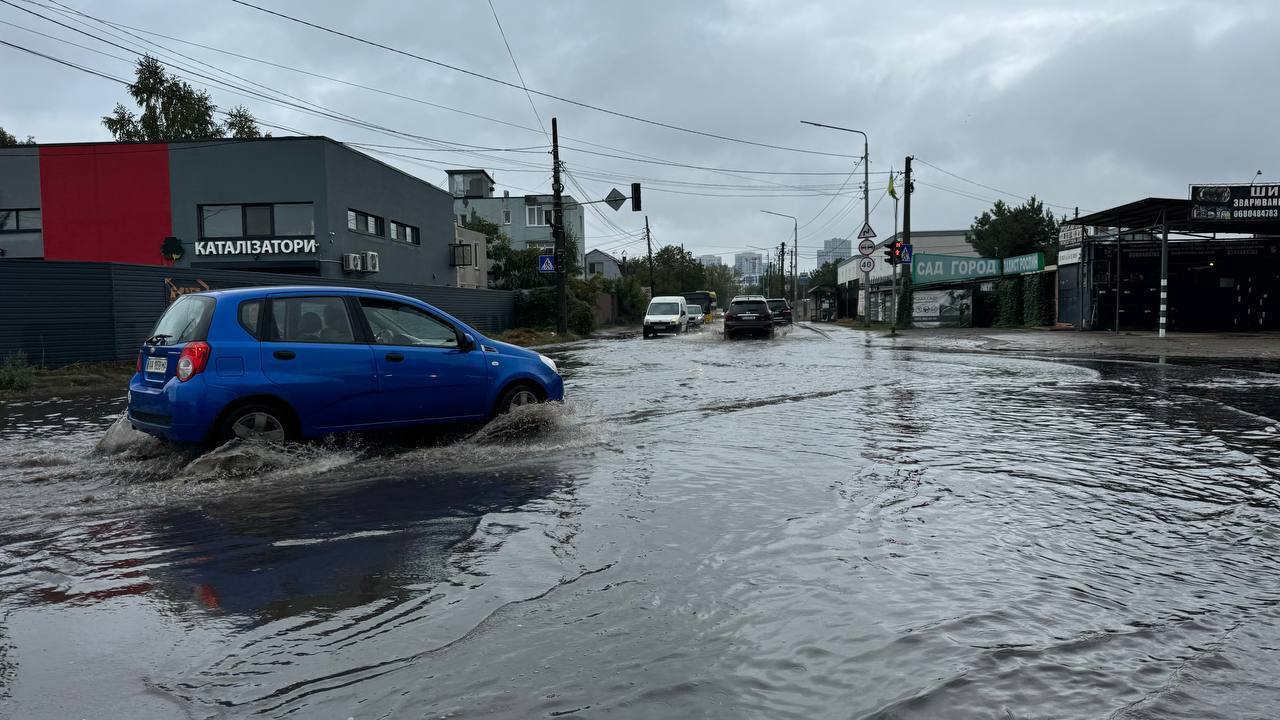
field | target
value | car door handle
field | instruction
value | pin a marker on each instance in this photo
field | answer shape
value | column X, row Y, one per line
column 395, row 357
column 284, row 355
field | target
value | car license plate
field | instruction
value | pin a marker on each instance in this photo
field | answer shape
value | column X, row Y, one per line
column 157, row 364
column 747, row 317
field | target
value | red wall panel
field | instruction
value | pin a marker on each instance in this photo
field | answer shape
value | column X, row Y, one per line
column 105, row 203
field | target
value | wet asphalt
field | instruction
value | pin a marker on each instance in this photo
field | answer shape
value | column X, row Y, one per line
column 816, row 526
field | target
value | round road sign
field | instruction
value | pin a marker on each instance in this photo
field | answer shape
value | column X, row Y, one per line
column 866, row 247
column 867, row 264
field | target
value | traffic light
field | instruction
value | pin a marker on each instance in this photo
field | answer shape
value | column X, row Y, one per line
column 635, row 197
column 888, row 253
column 897, row 252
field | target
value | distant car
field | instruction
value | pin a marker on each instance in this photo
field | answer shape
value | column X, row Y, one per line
column 748, row 314
column 666, row 314
column 781, row 310
column 284, row 363
column 695, row 317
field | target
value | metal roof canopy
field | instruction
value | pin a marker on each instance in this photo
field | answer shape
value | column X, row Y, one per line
column 1152, row 213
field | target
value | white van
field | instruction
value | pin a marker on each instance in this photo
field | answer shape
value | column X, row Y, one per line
column 667, row 313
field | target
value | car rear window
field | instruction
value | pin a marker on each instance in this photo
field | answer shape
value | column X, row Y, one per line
column 186, row 320
column 748, row 306
column 777, row 304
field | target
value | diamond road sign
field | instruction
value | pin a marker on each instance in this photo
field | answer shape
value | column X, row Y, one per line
column 546, row 263
column 615, row 199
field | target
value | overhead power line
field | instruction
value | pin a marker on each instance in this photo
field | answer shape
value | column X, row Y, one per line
column 988, row 187
column 550, row 96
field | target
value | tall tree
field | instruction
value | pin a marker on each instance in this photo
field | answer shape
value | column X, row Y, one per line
column 825, row 275
column 170, row 109
column 676, row 271
column 720, row 280
column 8, row 140
column 1005, row 231
column 242, row 125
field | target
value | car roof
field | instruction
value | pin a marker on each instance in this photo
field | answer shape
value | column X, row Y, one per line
column 314, row 289
column 736, row 298
column 667, row 298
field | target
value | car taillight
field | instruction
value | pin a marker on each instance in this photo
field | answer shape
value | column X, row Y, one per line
column 192, row 360
column 139, row 361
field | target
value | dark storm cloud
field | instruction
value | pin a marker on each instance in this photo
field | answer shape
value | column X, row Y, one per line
column 1082, row 103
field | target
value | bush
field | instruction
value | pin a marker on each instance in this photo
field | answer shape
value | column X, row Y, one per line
column 1008, row 302
column 1037, row 300
column 16, row 374
column 537, row 309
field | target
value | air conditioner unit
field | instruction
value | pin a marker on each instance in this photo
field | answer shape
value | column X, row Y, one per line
column 371, row 262
column 353, row 262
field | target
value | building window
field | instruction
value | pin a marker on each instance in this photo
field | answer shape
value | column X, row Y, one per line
column 263, row 220
column 535, row 215
column 364, row 223
column 506, row 216
column 405, row 233
column 20, row 220
column 462, row 220
column 595, row 268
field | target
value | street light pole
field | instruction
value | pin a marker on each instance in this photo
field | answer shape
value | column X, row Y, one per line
column 866, row 199
column 795, row 249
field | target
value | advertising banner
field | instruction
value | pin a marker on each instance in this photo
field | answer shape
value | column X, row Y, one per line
column 942, row 308
column 1235, row 202
column 927, row 268
column 1033, row 262
column 1069, row 257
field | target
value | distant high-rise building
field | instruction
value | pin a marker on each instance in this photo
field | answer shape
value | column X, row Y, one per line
column 710, row 260
column 748, row 264
column 835, row 250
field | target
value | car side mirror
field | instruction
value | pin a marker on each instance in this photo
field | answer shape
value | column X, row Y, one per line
column 466, row 343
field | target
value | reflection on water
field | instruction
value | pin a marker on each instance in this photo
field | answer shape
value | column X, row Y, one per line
column 805, row 527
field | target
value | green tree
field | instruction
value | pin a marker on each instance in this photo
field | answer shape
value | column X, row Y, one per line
column 825, row 275
column 170, row 109
column 720, row 280
column 8, row 140
column 1005, row 231
column 676, row 271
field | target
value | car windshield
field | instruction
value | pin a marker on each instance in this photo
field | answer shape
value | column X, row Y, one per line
column 695, row 310
column 748, row 306
column 186, row 320
column 664, row 308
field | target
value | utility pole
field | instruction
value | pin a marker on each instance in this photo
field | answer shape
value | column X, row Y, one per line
column 682, row 277
column 893, row 311
column 557, row 232
column 782, row 269
column 795, row 264
column 648, row 241
column 906, row 214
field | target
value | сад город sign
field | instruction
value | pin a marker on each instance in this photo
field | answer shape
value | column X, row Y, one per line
column 927, row 268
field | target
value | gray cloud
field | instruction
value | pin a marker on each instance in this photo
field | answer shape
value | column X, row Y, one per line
column 1083, row 103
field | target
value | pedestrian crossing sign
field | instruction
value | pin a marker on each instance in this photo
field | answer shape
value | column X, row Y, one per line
column 546, row 263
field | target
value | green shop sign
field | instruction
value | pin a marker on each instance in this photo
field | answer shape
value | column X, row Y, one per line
column 1024, row 264
column 926, row 268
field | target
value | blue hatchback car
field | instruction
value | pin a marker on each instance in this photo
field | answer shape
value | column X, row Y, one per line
column 284, row 363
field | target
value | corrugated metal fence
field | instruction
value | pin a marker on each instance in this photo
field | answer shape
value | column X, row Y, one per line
column 65, row 312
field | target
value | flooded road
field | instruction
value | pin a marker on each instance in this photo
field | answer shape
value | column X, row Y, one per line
column 818, row 526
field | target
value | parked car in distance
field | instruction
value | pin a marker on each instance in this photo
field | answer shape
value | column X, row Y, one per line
column 695, row 317
column 284, row 363
column 781, row 310
column 748, row 314
column 665, row 314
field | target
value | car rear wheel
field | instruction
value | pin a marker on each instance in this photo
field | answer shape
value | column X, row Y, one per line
column 517, row 396
column 258, row 422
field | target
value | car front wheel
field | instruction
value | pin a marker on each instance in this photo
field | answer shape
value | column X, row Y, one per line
column 517, row 396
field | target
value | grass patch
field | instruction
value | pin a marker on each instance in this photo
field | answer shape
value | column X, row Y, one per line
column 532, row 337
column 16, row 374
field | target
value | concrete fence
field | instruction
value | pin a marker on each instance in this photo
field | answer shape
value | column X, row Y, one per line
column 66, row 312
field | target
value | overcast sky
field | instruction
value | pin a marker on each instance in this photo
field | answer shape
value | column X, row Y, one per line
column 1083, row 103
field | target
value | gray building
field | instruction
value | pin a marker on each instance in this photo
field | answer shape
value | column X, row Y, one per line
column 835, row 250
column 525, row 219
column 599, row 262
column 748, row 264
column 710, row 260
column 299, row 205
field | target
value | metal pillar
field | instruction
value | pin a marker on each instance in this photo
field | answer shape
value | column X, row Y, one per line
column 1164, row 272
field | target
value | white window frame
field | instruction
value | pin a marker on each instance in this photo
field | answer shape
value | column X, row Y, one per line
column 535, row 216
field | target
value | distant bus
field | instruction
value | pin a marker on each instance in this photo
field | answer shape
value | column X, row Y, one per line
column 704, row 299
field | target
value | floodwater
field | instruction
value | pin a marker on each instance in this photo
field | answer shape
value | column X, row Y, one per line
column 818, row 526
